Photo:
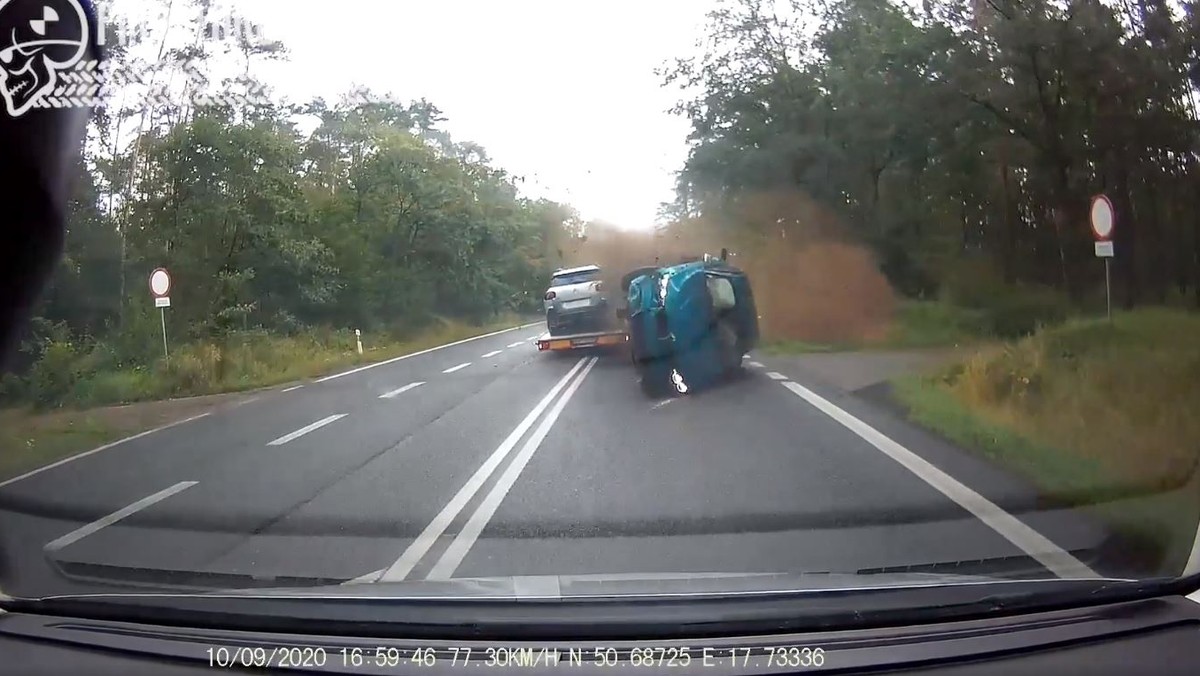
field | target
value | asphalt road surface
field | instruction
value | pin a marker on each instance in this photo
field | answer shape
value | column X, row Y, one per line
column 487, row 458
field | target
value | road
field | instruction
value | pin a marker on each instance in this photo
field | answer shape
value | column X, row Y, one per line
column 487, row 458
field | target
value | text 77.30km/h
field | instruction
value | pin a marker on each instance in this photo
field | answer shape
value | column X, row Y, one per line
column 387, row 657
column 781, row 657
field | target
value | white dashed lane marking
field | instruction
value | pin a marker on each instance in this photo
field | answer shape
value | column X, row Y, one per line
column 401, row 390
column 493, row 353
column 452, row 369
column 755, row 364
column 519, row 343
column 80, row 533
column 775, row 375
column 306, row 429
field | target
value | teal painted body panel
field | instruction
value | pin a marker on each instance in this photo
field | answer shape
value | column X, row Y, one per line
column 673, row 323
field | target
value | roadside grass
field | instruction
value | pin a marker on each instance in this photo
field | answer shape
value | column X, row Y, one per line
column 31, row 437
column 935, row 324
column 29, row 440
column 915, row 325
column 72, row 376
column 1093, row 414
column 802, row 347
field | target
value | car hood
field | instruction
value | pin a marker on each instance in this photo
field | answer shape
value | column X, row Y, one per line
column 631, row 585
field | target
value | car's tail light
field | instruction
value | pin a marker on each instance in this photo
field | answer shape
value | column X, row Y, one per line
column 549, row 295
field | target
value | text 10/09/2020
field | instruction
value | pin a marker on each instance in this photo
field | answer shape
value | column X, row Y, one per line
column 388, row 657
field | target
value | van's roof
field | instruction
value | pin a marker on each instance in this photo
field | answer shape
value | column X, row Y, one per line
column 582, row 268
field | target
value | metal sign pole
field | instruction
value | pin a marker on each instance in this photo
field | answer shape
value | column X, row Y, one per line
column 1108, row 290
column 162, row 313
column 1103, row 218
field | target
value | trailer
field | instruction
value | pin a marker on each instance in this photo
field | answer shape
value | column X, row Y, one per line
column 577, row 341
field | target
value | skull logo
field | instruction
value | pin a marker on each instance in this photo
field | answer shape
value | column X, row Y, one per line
column 38, row 38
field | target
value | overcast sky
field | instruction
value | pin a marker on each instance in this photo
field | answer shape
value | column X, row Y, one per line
column 562, row 92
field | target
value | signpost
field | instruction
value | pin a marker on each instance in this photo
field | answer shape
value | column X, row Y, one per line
column 1104, row 218
column 160, row 288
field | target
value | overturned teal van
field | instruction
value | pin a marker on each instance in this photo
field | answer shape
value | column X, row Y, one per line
column 690, row 325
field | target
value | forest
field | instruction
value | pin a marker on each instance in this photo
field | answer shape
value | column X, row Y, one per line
column 960, row 141
column 284, row 226
column 955, row 143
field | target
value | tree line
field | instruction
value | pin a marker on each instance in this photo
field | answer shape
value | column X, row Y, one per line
column 960, row 138
column 280, row 217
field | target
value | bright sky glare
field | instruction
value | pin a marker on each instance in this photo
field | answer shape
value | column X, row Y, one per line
column 562, row 92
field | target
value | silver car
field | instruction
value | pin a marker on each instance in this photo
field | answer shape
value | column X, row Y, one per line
column 577, row 302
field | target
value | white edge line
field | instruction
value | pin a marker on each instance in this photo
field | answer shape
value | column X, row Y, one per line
column 426, row 539
column 102, row 448
column 292, row 388
column 493, row 353
column 458, row 548
column 460, row 367
column 84, row 531
column 365, row 579
column 291, row 436
column 417, row 354
column 1054, row 558
column 775, row 375
column 401, row 390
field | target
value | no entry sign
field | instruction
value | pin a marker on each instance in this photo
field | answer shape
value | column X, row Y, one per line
column 160, row 283
column 1103, row 218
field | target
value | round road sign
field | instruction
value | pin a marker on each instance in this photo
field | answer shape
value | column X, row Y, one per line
column 1103, row 217
column 160, row 283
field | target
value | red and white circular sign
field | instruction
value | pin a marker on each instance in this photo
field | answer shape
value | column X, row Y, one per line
column 1103, row 218
column 160, row 283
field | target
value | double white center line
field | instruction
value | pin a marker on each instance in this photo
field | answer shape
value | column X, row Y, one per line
column 463, row 541
column 457, row 551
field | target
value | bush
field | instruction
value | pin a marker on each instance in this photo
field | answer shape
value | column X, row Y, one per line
column 116, row 387
column 189, row 370
column 53, row 375
column 1003, row 310
column 926, row 323
column 1022, row 310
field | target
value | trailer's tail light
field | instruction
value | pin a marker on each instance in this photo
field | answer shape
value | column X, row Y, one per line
column 550, row 295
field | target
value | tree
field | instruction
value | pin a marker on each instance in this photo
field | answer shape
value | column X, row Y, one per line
column 962, row 131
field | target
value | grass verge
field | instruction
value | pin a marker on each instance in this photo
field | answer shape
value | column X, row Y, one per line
column 916, row 324
column 31, row 438
column 1093, row 414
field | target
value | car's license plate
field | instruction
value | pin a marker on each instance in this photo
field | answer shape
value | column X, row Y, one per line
column 572, row 304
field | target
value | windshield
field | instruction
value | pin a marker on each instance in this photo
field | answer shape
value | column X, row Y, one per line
column 917, row 296
column 569, row 278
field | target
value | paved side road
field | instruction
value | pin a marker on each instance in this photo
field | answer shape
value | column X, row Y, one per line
column 486, row 458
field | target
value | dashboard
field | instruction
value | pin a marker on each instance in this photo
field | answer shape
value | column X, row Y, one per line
column 1157, row 635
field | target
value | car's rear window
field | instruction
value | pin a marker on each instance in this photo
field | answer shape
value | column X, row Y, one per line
column 575, row 277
